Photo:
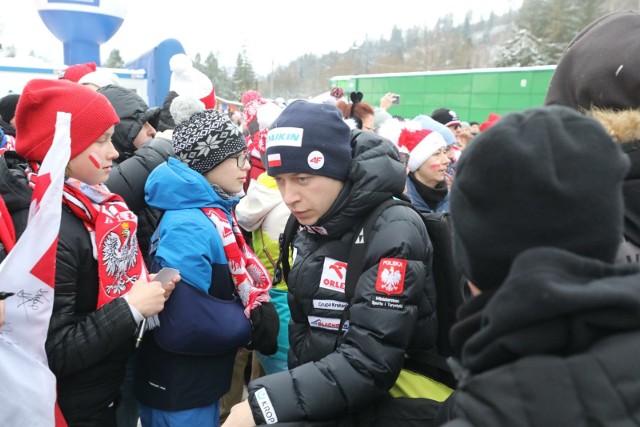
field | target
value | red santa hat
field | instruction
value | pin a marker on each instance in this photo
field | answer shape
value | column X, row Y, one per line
column 421, row 144
column 188, row 81
column 410, row 138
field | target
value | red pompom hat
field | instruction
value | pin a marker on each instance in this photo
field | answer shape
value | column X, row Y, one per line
column 77, row 71
column 40, row 101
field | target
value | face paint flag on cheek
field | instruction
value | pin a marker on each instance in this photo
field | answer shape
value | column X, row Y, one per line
column 95, row 160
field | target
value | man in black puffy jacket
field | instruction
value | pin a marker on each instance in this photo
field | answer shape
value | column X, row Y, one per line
column 331, row 180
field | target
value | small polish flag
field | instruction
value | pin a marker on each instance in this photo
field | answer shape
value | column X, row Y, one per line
column 274, row 160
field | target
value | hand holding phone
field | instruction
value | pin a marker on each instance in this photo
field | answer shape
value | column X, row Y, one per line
column 165, row 275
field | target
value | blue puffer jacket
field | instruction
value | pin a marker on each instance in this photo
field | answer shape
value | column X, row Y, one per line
column 186, row 239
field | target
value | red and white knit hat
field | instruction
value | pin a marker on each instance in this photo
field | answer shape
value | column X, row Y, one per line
column 188, row 81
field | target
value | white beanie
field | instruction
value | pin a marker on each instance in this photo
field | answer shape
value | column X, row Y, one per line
column 99, row 78
column 187, row 80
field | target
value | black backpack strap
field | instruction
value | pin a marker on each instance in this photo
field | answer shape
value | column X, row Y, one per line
column 355, row 262
column 285, row 241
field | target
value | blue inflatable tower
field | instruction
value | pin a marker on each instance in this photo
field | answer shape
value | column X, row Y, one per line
column 82, row 25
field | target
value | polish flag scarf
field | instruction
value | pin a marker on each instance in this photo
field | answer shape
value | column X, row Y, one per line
column 250, row 277
column 112, row 227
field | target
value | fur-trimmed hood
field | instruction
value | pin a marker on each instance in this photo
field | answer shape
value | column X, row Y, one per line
column 623, row 126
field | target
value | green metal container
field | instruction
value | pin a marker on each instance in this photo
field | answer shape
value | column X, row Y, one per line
column 472, row 94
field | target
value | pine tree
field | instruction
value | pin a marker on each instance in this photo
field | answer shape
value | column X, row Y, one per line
column 244, row 78
column 114, row 60
column 521, row 51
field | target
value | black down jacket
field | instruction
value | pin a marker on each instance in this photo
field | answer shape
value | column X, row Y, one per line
column 326, row 382
column 87, row 348
column 130, row 171
column 557, row 345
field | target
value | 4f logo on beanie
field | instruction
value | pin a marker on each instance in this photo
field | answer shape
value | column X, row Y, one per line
column 315, row 160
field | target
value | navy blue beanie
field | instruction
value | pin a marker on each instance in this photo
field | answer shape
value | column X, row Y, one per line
column 309, row 138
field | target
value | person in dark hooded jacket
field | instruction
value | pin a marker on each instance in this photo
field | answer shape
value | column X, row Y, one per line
column 598, row 76
column 360, row 373
column 140, row 153
column 550, row 338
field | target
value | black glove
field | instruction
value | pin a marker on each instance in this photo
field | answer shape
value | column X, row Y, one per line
column 265, row 325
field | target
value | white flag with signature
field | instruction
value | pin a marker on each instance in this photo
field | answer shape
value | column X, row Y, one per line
column 27, row 386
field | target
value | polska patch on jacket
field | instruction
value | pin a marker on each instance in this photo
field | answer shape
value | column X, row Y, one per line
column 391, row 273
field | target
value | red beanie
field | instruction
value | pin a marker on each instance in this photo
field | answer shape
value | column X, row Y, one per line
column 76, row 72
column 41, row 99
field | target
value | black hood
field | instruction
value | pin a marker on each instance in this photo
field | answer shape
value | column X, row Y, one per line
column 556, row 303
column 14, row 186
column 599, row 68
column 375, row 174
column 133, row 113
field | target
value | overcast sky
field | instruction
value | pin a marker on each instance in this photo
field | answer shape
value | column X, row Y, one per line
column 275, row 31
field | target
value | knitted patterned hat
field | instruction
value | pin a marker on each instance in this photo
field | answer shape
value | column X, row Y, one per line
column 75, row 72
column 251, row 100
column 187, row 80
column 206, row 139
column 41, row 99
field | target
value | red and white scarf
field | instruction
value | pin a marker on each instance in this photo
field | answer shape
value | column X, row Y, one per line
column 250, row 277
column 112, row 227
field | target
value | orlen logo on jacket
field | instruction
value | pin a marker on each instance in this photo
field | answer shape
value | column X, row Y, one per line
column 334, row 274
column 391, row 273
